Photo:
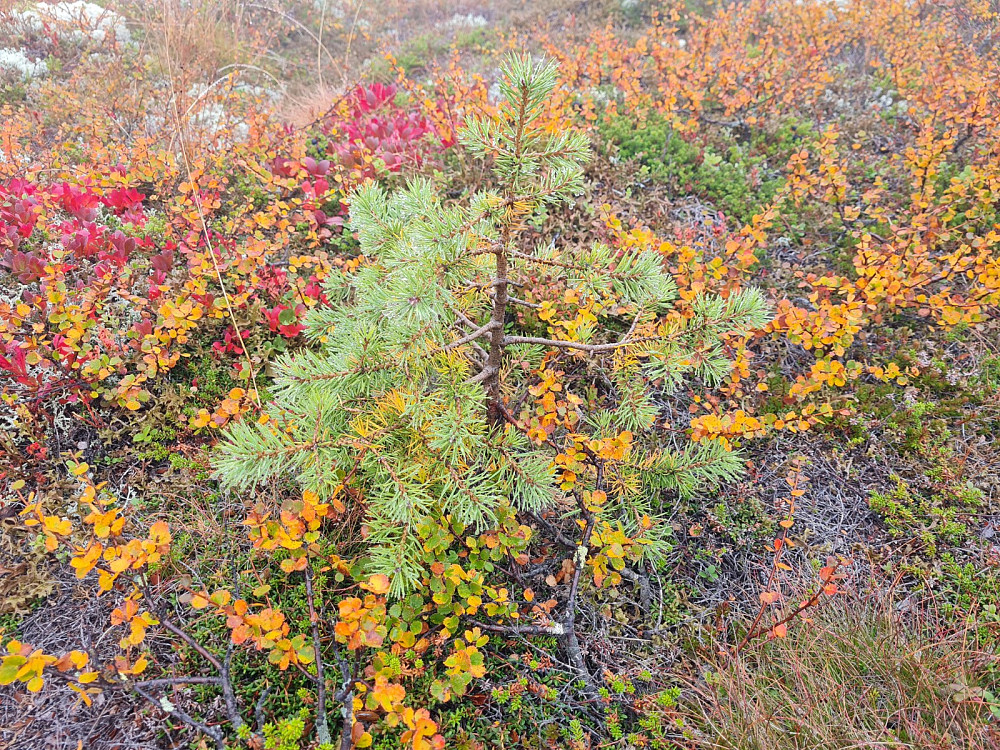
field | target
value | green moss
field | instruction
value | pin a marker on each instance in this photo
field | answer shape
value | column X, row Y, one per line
column 989, row 373
column 155, row 443
column 212, row 380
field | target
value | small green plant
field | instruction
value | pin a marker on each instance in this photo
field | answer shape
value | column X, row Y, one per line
column 932, row 520
column 287, row 733
column 668, row 698
column 155, row 440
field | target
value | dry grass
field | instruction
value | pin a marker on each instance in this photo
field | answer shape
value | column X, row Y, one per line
column 854, row 678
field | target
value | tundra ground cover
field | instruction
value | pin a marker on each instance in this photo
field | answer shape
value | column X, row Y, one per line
column 363, row 388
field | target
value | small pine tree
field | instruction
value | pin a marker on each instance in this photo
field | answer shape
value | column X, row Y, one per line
column 404, row 400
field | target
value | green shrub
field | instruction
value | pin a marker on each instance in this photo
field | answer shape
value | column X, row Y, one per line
column 724, row 174
column 932, row 520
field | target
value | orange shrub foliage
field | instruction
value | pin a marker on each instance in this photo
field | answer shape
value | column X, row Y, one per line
column 923, row 234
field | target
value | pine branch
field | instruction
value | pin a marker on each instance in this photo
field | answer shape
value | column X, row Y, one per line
column 485, row 374
column 478, row 333
column 574, row 345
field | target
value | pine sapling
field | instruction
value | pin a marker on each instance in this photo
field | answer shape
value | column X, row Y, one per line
column 405, row 409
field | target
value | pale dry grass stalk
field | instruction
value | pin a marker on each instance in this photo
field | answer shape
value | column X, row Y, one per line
column 180, row 129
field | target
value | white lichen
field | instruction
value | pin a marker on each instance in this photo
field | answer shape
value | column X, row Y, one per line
column 464, row 21
column 78, row 22
column 13, row 62
column 209, row 113
column 331, row 9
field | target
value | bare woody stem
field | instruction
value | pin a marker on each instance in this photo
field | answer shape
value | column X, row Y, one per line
column 491, row 326
column 589, row 348
column 346, row 696
column 214, row 732
column 570, row 643
column 322, row 726
column 497, row 338
column 491, row 372
column 223, row 680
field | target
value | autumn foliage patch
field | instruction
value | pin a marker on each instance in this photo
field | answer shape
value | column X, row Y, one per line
column 493, row 404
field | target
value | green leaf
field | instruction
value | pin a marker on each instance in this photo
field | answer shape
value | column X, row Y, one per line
column 440, row 690
column 11, row 666
column 460, row 681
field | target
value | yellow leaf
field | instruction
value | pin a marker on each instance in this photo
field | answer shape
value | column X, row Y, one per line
column 377, row 584
column 159, row 533
column 199, row 601
column 83, row 696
